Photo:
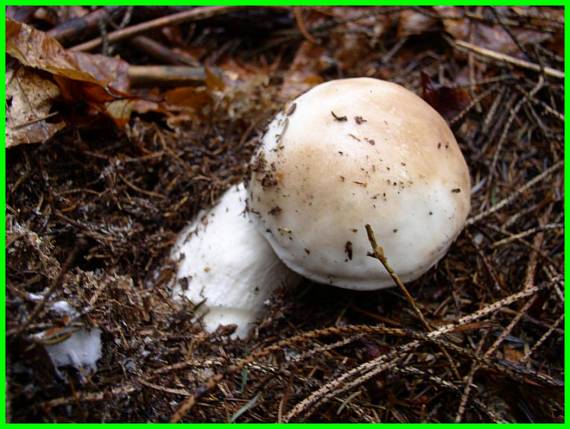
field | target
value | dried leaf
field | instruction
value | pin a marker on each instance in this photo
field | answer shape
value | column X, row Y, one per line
column 102, row 82
column 413, row 23
column 188, row 97
column 29, row 101
column 36, row 49
column 349, row 49
column 492, row 37
column 120, row 111
column 214, row 82
column 449, row 102
column 109, row 71
column 304, row 71
column 512, row 354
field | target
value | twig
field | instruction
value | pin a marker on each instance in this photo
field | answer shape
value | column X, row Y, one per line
column 79, row 244
column 514, row 237
column 488, row 266
column 447, row 385
column 472, row 104
column 104, row 35
column 488, row 53
column 529, row 279
column 71, row 29
column 181, row 392
column 542, row 339
column 515, row 194
column 298, row 13
column 353, row 329
column 324, row 348
column 211, row 383
column 550, row 110
column 469, row 382
column 196, row 13
column 376, row 366
column 160, row 52
column 90, row 397
column 373, row 366
column 379, row 254
column 142, row 191
column 507, row 128
column 166, row 75
column 508, row 30
column 489, row 352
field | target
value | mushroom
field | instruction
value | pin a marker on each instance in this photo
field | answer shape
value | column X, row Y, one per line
column 226, row 268
column 345, row 154
column 353, row 152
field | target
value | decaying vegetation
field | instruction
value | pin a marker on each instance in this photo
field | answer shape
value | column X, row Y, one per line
column 143, row 116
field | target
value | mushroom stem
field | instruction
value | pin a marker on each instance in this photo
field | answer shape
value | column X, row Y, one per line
column 226, row 265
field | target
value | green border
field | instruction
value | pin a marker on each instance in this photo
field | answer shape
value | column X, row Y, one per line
column 566, row 221
column 3, row 229
column 283, row 3
column 260, row 3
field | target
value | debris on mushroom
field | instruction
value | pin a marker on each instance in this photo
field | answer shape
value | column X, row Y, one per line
column 425, row 190
column 226, row 268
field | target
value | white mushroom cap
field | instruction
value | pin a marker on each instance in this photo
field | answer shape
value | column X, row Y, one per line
column 353, row 152
column 224, row 261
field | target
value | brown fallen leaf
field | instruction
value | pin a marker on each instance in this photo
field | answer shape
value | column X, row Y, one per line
column 101, row 82
column 488, row 36
column 448, row 101
column 188, row 97
column 34, row 48
column 512, row 354
column 304, row 71
column 29, row 99
column 411, row 22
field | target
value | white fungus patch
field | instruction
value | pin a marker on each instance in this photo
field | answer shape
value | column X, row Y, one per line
column 81, row 350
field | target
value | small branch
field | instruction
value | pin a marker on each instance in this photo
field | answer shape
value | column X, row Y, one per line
column 194, row 14
column 514, row 237
column 528, row 283
column 507, row 127
column 89, row 396
column 55, row 285
column 515, row 194
column 189, row 402
column 298, row 13
column 68, row 31
column 166, row 75
column 379, row 254
column 377, row 365
column 542, row 339
column 160, row 52
column 488, row 53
